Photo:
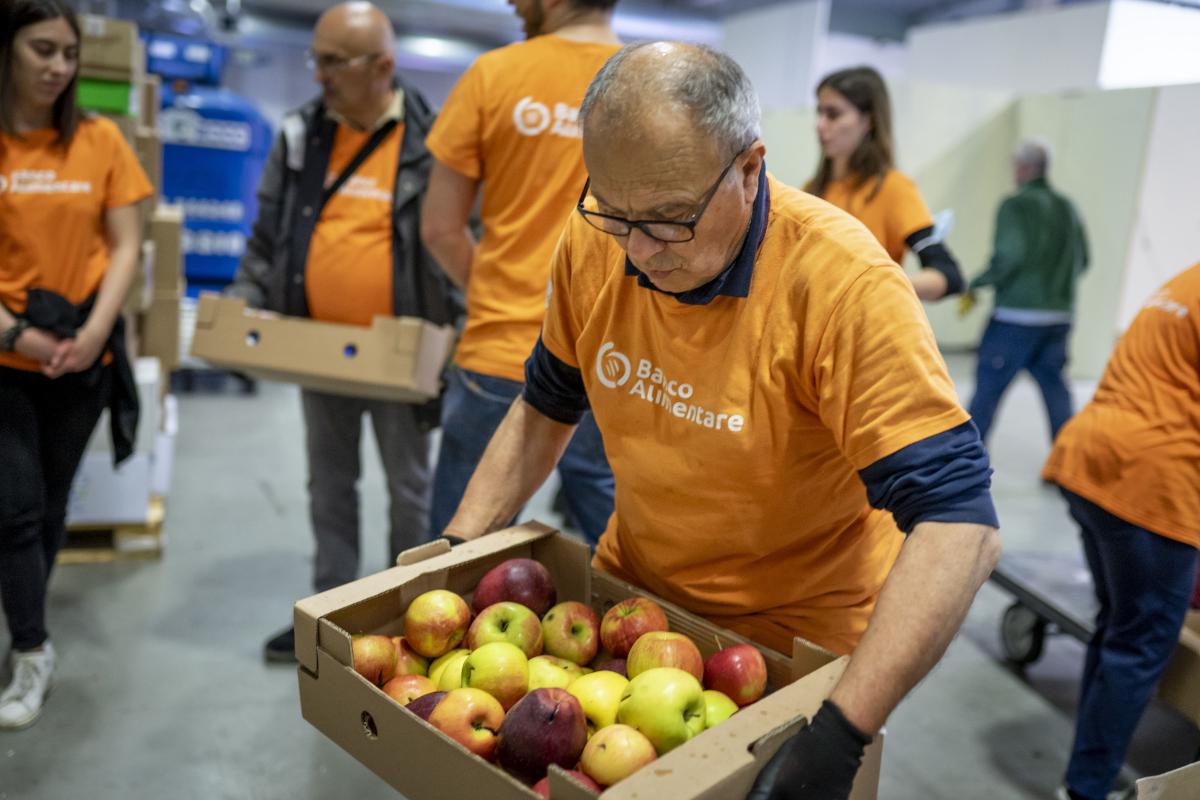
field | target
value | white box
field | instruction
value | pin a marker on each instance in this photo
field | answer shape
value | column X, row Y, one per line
column 102, row 495
column 164, row 449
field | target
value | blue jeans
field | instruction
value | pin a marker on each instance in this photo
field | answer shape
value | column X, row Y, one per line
column 472, row 410
column 1005, row 350
column 1144, row 583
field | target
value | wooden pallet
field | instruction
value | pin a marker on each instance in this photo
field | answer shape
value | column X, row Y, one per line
column 97, row 544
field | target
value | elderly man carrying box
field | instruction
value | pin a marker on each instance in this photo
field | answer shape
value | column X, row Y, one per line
column 772, row 401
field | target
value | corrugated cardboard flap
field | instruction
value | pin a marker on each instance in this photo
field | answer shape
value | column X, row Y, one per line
column 722, row 762
column 1180, row 784
column 314, row 629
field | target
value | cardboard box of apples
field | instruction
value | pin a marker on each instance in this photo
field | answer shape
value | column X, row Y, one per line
column 509, row 668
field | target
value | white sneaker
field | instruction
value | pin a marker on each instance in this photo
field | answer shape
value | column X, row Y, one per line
column 21, row 703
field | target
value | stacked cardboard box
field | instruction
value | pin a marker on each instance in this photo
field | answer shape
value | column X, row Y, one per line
column 158, row 321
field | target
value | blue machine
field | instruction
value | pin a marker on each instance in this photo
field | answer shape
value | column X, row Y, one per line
column 215, row 144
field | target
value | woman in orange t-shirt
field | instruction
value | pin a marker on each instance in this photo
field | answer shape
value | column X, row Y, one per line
column 856, row 174
column 1129, row 467
column 68, row 249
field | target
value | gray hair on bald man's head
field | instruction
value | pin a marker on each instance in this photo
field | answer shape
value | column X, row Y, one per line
column 1036, row 155
column 706, row 84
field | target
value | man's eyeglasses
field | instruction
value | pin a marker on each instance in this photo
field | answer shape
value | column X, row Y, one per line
column 332, row 65
column 662, row 230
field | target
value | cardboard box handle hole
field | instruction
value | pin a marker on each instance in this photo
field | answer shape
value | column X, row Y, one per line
column 368, row 723
column 252, row 338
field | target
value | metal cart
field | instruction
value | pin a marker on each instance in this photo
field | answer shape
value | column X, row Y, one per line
column 1053, row 594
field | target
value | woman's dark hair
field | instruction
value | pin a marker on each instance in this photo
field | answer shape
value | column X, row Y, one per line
column 864, row 88
column 18, row 14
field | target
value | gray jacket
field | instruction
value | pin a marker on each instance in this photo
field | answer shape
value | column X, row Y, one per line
column 271, row 273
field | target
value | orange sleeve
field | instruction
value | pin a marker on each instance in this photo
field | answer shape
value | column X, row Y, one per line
column 127, row 182
column 907, row 212
column 881, row 384
column 456, row 138
column 563, row 322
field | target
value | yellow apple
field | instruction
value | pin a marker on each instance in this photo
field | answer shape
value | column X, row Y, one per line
column 666, row 704
column 600, row 694
column 439, row 664
column 717, row 707
column 451, row 677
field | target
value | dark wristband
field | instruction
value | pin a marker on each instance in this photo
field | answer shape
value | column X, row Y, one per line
column 453, row 540
column 8, row 339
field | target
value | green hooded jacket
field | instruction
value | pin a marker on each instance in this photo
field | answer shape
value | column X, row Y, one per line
column 1040, row 250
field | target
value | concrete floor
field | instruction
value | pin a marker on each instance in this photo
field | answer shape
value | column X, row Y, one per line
column 162, row 692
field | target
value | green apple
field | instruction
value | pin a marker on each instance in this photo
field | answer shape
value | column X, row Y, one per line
column 439, row 664
column 451, row 676
column 548, row 672
column 599, row 693
column 666, row 704
column 500, row 669
column 507, row 622
column 717, row 707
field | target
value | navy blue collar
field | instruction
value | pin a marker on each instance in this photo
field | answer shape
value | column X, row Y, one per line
column 735, row 280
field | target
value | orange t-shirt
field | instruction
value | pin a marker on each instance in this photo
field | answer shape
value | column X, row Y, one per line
column 53, row 201
column 512, row 122
column 1134, row 450
column 349, row 272
column 736, row 429
column 896, row 212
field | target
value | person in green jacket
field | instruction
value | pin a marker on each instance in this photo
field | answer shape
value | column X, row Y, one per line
column 1039, row 253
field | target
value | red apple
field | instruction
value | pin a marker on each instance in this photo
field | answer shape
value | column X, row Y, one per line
column 507, row 622
column 627, row 621
column 374, row 658
column 615, row 753
column 424, row 705
column 406, row 688
column 664, row 649
column 542, row 787
column 470, row 717
column 617, row 665
column 739, row 672
column 436, row 622
column 571, row 630
column 409, row 661
column 546, row 727
column 518, row 580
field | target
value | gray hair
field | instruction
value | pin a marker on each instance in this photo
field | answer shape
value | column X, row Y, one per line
column 705, row 83
column 1035, row 154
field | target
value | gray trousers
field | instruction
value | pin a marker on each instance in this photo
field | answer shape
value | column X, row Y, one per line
column 334, row 426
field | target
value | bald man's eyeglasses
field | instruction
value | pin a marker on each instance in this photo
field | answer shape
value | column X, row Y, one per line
column 332, row 65
column 662, row 230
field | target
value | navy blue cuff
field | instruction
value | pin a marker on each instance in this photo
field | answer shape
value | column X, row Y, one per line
column 554, row 387
column 943, row 478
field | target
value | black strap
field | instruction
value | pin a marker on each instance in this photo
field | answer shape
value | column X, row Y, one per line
column 362, row 155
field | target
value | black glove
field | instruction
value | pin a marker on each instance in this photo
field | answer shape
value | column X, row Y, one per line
column 453, row 540
column 818, row 763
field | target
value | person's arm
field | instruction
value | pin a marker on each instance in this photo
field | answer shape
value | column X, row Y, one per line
column 1008, row 251
column 33, row 342
column 448, row 203
column 525, row 448
column 939, row 274
column 79, row 353
column 923, row 603
column 250, row 280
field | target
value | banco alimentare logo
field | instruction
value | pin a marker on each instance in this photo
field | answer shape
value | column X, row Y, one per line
column 532, row 118
column 612, row 367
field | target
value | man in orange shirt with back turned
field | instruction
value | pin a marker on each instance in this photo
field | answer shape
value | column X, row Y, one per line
column 1127, row 465
column 511, row 124
column 336, row 240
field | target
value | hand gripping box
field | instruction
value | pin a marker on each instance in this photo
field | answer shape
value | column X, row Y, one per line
column 397, row 358
column 423, row 764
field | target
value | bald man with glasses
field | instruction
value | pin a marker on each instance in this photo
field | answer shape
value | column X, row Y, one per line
column 790, row 456
column 338, row 240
